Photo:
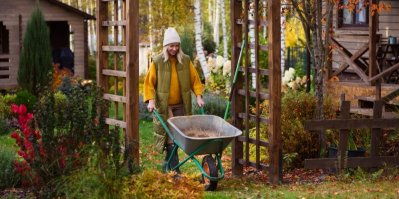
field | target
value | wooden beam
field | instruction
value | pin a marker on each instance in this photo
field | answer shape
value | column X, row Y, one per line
column 115, row 122
column 114, row 23
column 114, row 48
column 373, row 14
column 261, row 71
column 252, row 141
column 132, row 81
column 343, row 134
column 236, row 37
column 364, row 162
column 275, row 149
column 351, row 124
column 263, row 96
column 102, row 39
column 115, row 98
column 354, row 57
column 114, row 73
column 385, row 72
column 349, row 61
column 253, row 118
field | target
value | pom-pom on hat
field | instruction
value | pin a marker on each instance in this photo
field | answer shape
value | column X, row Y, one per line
column 171, row 36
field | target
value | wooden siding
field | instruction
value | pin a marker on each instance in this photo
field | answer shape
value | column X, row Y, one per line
column 51, row 12
column 354, row 38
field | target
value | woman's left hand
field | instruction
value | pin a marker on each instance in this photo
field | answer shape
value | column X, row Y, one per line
column 200, row 101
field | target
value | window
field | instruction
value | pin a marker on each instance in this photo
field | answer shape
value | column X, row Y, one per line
column 4, row 43
column 357, row 16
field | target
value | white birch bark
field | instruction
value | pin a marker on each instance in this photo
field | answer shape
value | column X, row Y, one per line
column 210, row 18
column 93, row 28
column 198, row 38
column 224, row 29
column 150, row 23
column 216, row 24
column 251, row 34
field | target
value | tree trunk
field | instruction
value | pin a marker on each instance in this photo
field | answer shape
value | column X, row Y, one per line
column 198, row 38
column 150, row 23
column 224, row 29
column 251, row 30
column 216, row 24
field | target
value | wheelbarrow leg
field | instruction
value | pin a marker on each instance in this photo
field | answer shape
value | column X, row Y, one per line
column 174, row 160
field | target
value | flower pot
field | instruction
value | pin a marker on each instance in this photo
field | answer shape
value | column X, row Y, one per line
column 360, row 152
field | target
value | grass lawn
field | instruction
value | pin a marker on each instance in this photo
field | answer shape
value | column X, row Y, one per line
column 255, row 185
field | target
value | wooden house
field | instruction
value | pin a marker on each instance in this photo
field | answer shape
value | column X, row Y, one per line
column 68, row 29
column 365, row 61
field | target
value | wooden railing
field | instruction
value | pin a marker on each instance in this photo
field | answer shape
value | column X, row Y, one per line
column 5, row 65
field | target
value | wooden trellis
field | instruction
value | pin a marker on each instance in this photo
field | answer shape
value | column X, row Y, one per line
column 243, row 93
column 118, row 67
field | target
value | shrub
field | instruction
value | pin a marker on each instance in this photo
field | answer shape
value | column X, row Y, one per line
column 214, row 105
column 8, row 178
column 5, row 102
column 66, row 126
column 26, row 98
column 298, row 143
column 35, row 62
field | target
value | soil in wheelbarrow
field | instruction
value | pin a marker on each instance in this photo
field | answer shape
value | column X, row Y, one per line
column 201, row 133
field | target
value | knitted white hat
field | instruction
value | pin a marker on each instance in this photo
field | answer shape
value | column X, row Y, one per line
column 170, row 36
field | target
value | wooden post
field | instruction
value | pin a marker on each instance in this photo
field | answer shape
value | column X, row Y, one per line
column 102, row 32
column 372, row 40
column 275, row 149
column 376, row 133
column 343, row 136
column 132, row 80
column 236, row 37
column 86, row 50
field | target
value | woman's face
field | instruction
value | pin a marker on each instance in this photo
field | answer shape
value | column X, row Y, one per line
column 173, row 49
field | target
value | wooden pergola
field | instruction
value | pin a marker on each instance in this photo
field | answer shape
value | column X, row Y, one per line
column 126, row 51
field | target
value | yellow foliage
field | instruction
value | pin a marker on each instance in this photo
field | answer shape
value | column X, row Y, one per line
column 294, row 33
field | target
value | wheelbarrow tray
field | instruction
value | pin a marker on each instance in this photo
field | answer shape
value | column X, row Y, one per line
column 226, row 132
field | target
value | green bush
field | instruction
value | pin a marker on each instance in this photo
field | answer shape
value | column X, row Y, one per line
column 8, row 178
column 214, row 105
column 298, row 143
column 27, row 98
column 5, row 105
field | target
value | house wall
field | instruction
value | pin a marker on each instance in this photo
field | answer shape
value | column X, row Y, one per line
column 354, row 38
column 9, row 14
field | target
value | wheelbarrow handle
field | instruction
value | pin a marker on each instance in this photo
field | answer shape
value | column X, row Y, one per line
column 202, row 111
column 155, row 112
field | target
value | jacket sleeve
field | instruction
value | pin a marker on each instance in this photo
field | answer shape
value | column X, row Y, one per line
column 149, row 83
column 196, row 84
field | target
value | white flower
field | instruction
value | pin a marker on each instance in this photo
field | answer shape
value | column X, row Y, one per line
column 212, row 65
column 227, row 68
column 219, row 61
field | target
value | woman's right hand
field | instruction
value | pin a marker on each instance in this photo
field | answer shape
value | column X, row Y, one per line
column 151, row 105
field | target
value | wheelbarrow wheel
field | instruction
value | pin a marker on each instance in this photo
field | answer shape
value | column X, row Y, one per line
column 209, row 166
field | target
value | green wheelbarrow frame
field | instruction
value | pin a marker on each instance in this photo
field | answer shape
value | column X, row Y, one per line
column 195, row 152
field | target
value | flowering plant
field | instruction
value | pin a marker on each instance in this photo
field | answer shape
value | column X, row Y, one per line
column 219, row 80
column 292, row 81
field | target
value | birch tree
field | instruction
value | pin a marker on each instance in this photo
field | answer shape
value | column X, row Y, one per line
column 224, row 29
column 216, row 23
column 198, row 38
column 251, row 34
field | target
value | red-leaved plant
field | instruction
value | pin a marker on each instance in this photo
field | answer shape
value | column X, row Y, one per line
column 30, row 145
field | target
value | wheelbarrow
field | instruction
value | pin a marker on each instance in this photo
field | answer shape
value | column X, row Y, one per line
column 212, row 146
